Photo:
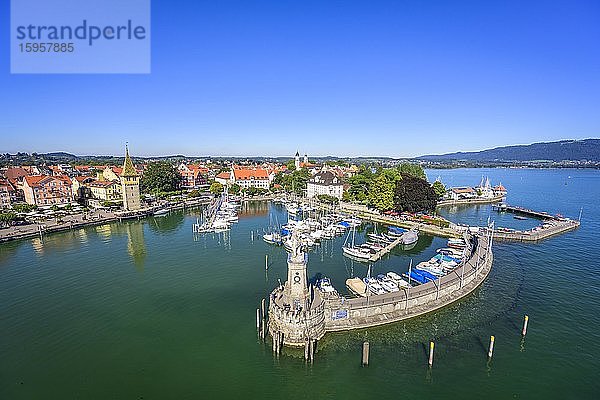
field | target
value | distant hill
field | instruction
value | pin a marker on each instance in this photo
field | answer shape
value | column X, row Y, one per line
column 564, row 150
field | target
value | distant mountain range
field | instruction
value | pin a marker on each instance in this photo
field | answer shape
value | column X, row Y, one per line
column 586, row 152
column 564, row 150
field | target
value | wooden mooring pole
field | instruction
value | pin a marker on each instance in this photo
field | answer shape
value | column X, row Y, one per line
column 365, row 353
column 266, row 261
column 491, row 349
column 525, row 322
column 258, row 319
column 262, row 307
column 306, row 350
column 431, row 346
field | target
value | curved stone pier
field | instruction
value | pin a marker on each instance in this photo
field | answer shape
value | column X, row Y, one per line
column 327, row 312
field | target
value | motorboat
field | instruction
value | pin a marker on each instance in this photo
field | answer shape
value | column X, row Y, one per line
column 273, row 238
column 325, row 285
column 357, row 286
column 161, row 212
column 410, row 237
column 374, row 286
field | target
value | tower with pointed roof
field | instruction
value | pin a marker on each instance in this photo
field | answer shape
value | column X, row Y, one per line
column 297, row 160
column 130, row 184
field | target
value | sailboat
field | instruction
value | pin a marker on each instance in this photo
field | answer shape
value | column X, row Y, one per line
column 359, row 252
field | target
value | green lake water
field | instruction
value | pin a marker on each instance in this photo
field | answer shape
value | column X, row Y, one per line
column 146, row 309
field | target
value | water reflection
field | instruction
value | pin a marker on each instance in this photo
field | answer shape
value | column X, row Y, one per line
column 166, row 223
column 53, row 242
column 254, row 208
column 136, row 245
column 8, row 250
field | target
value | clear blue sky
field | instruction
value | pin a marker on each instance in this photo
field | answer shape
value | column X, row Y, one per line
column 397, row 78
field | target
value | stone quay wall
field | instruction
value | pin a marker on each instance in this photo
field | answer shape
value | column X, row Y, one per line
column 345, row 314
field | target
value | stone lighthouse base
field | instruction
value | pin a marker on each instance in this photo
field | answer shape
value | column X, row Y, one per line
column 297, row 325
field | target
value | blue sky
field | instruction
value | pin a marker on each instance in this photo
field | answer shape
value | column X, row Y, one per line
column 397, row 78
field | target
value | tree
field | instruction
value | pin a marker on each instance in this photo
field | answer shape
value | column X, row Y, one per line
column 381, row 192
column 194, row 193
column 359, row 185
column 325, row 198
column 234, row 189
column 23, row 207
column 412, row 169
column 414, row 195
column 216, row 188
column 291, row 165
column 160, row 177
column 7, row 218
column 439, row 188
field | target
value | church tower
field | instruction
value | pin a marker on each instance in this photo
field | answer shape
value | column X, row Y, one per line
column 306, row 159
column 130, row 185
column 297, row 160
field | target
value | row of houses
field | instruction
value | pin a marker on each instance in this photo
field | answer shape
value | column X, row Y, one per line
column 97, row 185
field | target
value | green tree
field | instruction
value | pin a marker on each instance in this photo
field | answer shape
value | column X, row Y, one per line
column 216, row 188
column 414, row 195
column 160, row 176
column 325, row 198
column 439, row 188
column 234, row 189
column 7, row 218
column 23, row 207
column 381, row 192
column 194, row 193
column 412, row 169
column 291, row 165
column 359, row 185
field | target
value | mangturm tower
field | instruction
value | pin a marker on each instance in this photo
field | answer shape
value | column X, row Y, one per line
column 130, row 184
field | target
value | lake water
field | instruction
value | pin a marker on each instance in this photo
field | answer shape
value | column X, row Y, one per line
column 146, row 309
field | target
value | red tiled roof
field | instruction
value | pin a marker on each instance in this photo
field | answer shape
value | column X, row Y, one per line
column 250, row 173
column 37, row 180
column 223, row 175
column 82, row 179
column 463, row 190
column 14, row 173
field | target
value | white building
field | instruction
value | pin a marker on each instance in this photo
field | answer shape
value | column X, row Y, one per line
column 251, row 177
column 325, row 182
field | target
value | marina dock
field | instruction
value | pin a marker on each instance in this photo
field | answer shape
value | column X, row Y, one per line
column 385, row 250
column 548, row 229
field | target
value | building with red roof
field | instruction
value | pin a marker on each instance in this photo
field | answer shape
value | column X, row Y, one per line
column 192, row 175
column 247, row 177
column 43, row 190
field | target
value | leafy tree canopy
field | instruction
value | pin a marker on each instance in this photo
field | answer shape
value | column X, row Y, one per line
column 439, row 188
column 381, row 192
column 414, row 195
column 160, row 177
column 216, row 188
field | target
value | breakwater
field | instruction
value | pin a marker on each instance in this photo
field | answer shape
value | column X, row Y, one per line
column 302, row 320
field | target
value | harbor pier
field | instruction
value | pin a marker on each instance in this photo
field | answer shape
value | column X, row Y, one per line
column 308, row 314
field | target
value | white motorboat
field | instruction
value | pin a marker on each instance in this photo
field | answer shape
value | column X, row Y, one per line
column 273, row 238
column 325, row 285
